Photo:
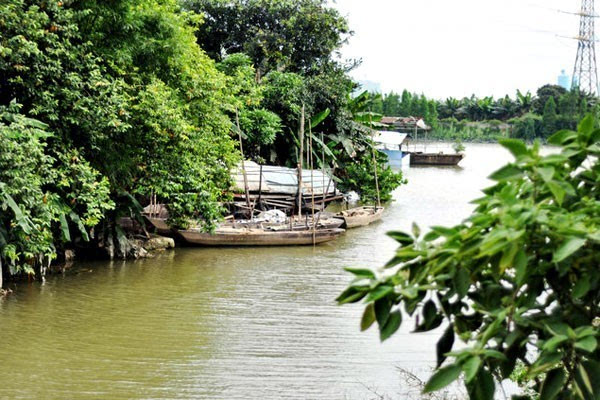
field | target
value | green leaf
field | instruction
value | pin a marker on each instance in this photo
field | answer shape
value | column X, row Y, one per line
column 365, row 273
column 508, row 255
column 482, row 387
column 521, row 267
column 570, row 246
column 584, row 382
column 442, row 378
column 410, row 292
column 584, row 331
column 553, row 384
column 592, row 369
column 75, row 218
column 350, row 295
column 64, row 226
column 515, row 146
column 554, row 159
column 547, row 173
column 368, row 317
column 588, row 343
column 391, row 326
column 416, row 230
column 444, row 345
column 581, row 288
column 561, row 137
column 401, row 237
column 320, row 117
column 462, row 281
column 471, row 367
column 379, row 292
column 506, row 173
column 553, row 343
column 382, row 311
column 557, row 191
column 586, row 126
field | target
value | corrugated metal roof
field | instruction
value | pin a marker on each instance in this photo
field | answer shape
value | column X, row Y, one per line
column 389, row 138
column 281, row 180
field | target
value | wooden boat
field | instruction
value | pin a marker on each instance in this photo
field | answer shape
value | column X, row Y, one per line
column 156, row 215
column 228, row 236
column 419, row 158
column 361, row 216
column 160, row 225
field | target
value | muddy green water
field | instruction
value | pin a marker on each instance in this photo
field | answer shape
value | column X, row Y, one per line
column 228, row 323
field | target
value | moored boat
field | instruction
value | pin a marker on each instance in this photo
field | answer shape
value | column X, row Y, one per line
column 420, row 158
column 361, row 216
column 229, row 236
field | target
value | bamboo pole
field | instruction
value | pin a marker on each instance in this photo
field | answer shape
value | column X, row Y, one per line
column 300, row 161
column 246, row 189
column 312, row 186
column 323, row 170
column 374, row 162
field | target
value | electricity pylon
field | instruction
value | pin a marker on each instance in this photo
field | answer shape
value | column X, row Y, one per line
column 585, row 73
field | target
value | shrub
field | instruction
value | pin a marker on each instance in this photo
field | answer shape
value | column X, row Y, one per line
column 517, row 281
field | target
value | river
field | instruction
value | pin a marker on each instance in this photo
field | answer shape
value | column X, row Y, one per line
column 229, row 323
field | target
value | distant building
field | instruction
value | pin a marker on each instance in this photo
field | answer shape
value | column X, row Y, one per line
column 564, row 80
column 405, row 124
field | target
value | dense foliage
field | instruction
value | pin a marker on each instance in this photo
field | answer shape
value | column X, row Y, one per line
column 131, row 106
column 488, row 119
column 42, row 197
column 517, row 282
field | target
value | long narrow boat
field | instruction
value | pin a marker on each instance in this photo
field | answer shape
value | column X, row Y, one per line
column 258, row 237
column 361, row 216
column 419, row 158
column 297, row 224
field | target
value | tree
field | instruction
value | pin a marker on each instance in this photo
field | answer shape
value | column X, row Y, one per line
column 543, row 95
column 549, row 117
column 517, row 281
column 526, row 127
column 277, row 35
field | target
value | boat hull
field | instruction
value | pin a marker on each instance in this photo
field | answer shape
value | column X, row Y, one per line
column 435, row 159
column 160, row 225
column 258, row 237
column 361, row 216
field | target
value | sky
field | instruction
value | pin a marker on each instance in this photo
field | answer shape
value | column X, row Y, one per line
column 460, row 47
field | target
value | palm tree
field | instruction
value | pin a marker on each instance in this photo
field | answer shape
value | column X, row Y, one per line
column 524, row 101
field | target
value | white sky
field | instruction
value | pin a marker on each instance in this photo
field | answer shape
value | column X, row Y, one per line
column 460, row 47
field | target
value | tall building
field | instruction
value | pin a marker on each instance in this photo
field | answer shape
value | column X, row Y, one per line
column 564, row 80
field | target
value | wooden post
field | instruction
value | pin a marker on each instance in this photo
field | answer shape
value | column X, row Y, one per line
column 260, row 187
column 312, row 185
column 246, row 189
column 300, row 159
column 323, row 172
column 374, row 162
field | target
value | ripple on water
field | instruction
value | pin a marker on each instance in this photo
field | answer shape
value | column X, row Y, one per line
column 228, row 323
